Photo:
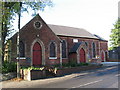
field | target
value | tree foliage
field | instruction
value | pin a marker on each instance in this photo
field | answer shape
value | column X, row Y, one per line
column 11, row 9
column 115, row 35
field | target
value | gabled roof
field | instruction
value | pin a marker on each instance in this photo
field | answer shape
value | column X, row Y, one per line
column 75, row 47
column 70, row 31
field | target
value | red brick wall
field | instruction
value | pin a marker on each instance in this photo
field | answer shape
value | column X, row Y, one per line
column 103, row 44
column 73, row 57
column 29, row 33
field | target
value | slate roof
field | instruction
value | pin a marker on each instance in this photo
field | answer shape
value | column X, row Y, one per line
column 75, row 47
column 102, row 39
column 70, row 31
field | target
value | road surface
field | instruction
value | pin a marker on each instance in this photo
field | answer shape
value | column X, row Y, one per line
column 107, row 77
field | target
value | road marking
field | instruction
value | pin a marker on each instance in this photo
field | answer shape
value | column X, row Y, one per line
column 88, row 83
column 117, row 75
column 110, row 68
column 101, row 70
column 81, row 74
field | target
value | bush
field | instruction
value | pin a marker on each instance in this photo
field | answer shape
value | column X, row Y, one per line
column 8, row 67
column 33, row 68
column 56, row 65
column 72, row 64
column 83, row 64
column 65, row 65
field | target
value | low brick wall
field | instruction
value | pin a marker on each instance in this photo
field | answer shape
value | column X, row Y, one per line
column 64, row 71
column 38, row 74
column 32, row 74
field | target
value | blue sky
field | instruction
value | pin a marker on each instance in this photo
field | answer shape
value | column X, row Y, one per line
column 96, row 16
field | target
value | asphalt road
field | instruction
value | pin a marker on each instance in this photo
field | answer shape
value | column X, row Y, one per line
column 100, row 78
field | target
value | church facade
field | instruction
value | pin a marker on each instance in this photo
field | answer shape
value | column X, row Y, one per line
column 45, row 44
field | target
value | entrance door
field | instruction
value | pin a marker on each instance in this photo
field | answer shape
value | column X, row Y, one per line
column 102, row 56
column 37, row 54
column 82, row 55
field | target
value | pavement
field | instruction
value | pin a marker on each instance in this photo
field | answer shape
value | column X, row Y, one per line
column 18, row 84
column 110, row 63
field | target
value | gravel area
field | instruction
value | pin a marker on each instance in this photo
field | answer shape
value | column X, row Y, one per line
column 7, row 76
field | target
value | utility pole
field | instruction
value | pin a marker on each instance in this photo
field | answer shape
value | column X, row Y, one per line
column 18, row 35
column 0, row 36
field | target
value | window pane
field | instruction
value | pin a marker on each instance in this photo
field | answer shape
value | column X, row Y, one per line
column 63, row 49
column 86, row 43
column 52, row 50
column 93, row 50
column 22, row 49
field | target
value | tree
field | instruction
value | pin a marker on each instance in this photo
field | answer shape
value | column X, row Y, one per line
column 115, row 35
column 11, row 9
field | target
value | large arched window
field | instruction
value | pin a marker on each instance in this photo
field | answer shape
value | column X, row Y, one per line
column 93, row 50
column 22, row 49
column 64, row 52
column 52, row 49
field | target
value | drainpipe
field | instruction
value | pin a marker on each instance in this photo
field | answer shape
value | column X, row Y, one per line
column 61, row 53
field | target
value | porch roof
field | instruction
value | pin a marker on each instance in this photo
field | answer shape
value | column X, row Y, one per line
column 75, row 47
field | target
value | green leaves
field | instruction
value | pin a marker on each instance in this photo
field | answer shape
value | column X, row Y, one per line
column 115, row 36
column 33, row 68
column 11, row 9
column 8, row 67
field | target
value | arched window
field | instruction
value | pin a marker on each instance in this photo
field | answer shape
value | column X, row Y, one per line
column 86, row 43
column 93, row 50
column 64, row 49
column 22, row 49
column 52, row 49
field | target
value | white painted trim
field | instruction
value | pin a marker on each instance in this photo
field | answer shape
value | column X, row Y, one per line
column 21, row 58
column 75, row 40
column 43, row 50
column 52, row 57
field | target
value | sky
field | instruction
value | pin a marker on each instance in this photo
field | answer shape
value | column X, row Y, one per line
column 96, row 16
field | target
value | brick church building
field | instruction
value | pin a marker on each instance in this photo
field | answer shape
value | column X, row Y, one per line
column 45, row 44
